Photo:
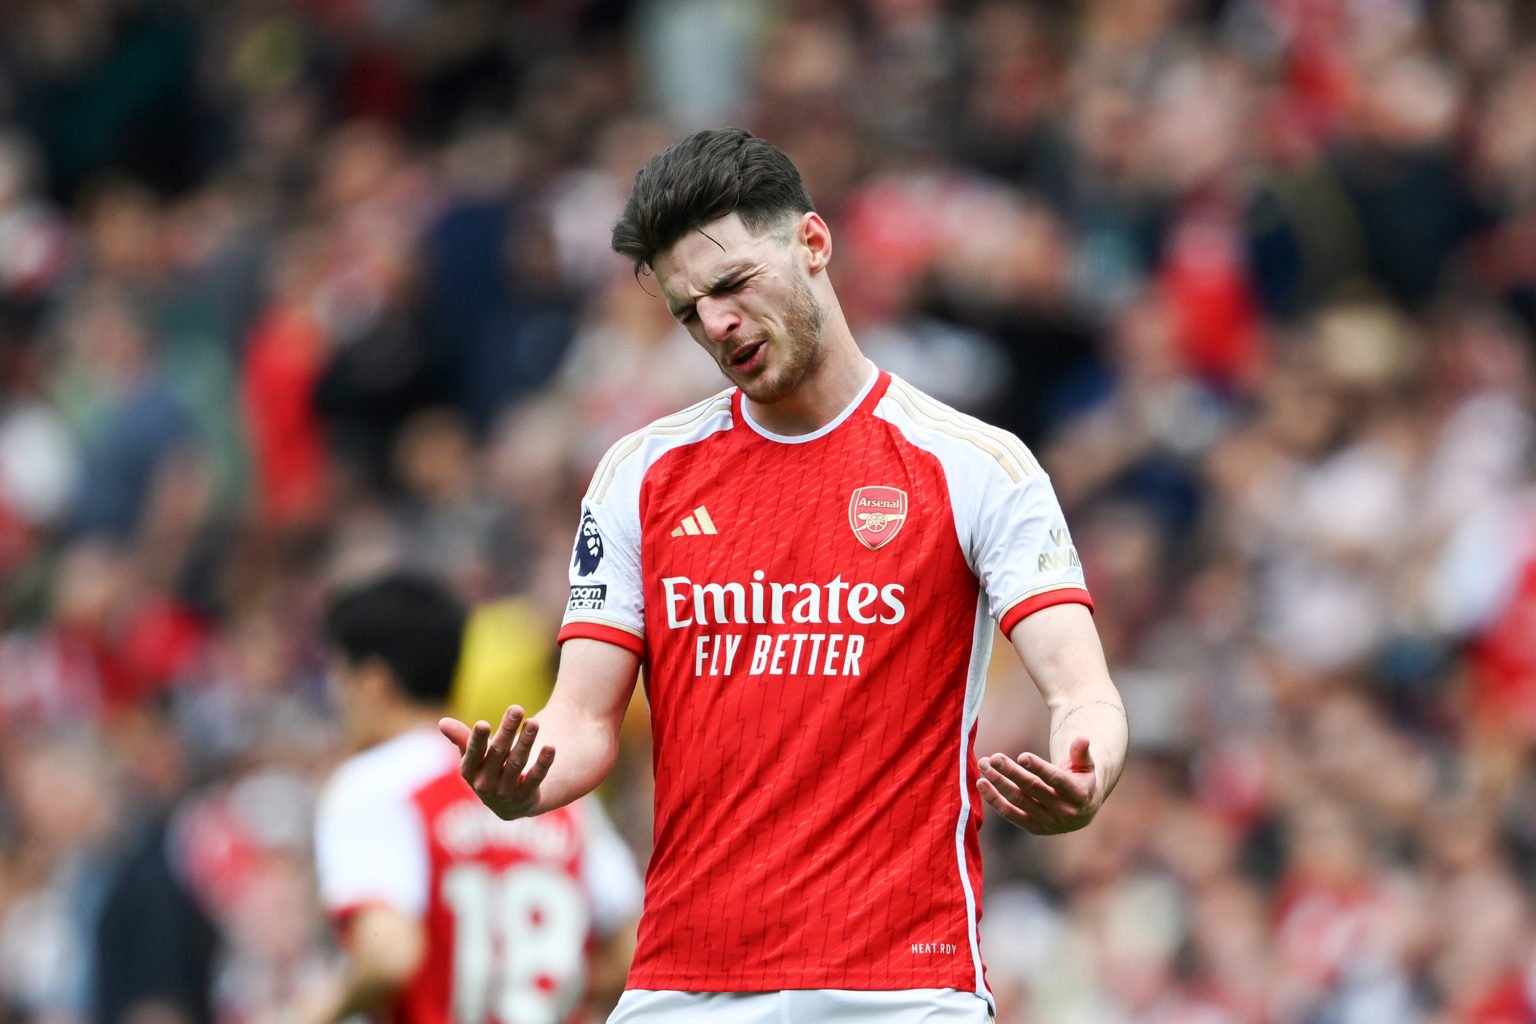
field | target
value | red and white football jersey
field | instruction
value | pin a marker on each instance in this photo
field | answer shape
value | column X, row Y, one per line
column 816, row 617
column 509, row 907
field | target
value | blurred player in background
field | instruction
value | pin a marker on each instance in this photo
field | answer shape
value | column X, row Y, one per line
column 811, row 565
column 445, row 912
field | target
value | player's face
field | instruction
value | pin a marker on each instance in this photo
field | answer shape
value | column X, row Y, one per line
column 746, row 299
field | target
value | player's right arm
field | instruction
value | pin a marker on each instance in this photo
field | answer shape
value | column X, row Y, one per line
column 515, row 771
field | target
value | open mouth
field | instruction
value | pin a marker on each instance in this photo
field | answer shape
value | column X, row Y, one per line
column 746, row 355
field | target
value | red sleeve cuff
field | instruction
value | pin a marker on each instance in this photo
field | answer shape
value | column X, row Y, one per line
column 1027, row 607
column 589, row 630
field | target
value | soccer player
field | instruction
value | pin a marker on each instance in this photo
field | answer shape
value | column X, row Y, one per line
column 446, row 912
column 810, row 565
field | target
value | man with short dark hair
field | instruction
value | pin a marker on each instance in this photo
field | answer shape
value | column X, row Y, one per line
column 811, row 565
column 446, row 912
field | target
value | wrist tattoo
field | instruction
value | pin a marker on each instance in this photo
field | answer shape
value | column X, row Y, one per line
column 1074, row 710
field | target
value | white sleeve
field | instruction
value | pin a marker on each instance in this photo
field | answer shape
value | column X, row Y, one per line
column 606, row 588
column 607, row 601
column 369, row 848
column 1007, row 518
column 608, row 871
column 1017, row 541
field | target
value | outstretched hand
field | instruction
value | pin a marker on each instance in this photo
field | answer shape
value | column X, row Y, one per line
column 1042, row 797
column 496, row 767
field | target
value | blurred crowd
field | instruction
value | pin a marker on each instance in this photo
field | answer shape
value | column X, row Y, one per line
column 294, row 289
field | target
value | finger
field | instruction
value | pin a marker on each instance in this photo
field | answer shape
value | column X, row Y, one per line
column 506, row 733
column 540, row 768
column 517, row 759
column 1053, row 775
column 1020, row 775
column 474, row 749
column 1074, row 789
column 1080, row 759
column 1029, row 793
column 1015, row 815
column 456, row 731
column 1000, row 782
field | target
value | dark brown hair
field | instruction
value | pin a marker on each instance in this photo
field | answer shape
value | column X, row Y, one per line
column 412, row 623
column 701, row 178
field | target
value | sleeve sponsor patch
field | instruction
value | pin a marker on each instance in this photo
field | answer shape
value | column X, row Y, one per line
column 588, row 597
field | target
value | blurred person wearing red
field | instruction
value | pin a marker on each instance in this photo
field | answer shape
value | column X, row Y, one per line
column 811, row 565
column 447, row 913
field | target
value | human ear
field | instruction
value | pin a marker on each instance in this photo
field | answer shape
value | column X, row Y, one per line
column 816, row 239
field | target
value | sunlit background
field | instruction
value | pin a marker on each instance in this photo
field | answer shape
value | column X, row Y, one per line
column 294, row 289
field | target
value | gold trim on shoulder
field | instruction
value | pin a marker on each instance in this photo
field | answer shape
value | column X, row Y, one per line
column 1008, row 451
column 678, row 423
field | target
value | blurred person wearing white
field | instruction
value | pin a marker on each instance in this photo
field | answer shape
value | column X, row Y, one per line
column 445, row 912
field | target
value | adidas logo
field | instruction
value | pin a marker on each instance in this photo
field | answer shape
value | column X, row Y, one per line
column 696, row 524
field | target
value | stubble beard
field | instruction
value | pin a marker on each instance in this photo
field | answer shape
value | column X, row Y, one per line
column 800, row 351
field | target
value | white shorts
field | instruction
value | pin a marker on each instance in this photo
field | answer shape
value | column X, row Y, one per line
column 803, row 1006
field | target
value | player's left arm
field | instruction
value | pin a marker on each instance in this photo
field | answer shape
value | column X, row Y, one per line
column 384, row 948
column 1089, row 733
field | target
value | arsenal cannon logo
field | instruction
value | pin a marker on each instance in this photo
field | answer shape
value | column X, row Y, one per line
column 876, row 515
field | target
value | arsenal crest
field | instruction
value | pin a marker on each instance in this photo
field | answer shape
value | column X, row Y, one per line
column 876, row 515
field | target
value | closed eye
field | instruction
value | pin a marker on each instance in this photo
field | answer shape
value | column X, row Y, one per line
column 688, row 314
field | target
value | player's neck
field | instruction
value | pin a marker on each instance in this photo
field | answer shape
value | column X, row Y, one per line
column 822, row 396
